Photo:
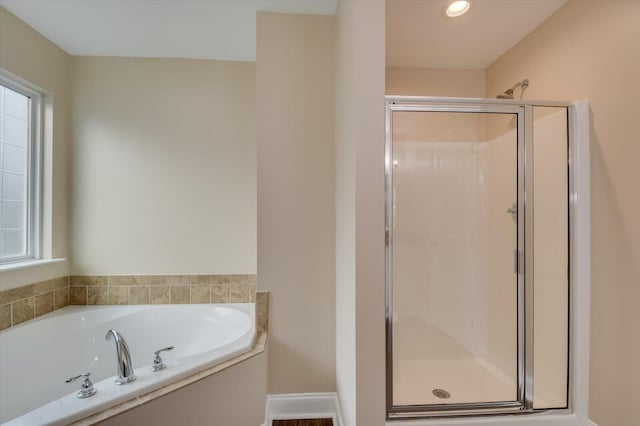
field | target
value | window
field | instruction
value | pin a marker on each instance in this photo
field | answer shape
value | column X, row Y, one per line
column 19, row 172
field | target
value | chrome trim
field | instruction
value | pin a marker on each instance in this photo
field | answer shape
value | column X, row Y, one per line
column 522, row 267
column 478, row 101
column 529, row 280
column 460, row 410
column 388, row 164
column 572, row 191
column 457, row 406
column 430, row 106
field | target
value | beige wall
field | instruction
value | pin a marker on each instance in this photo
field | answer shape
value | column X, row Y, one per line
column 233, row 397
column 296, row 260
column 345, row 214
column 589, row 50
column 360, row 71
column 164, row 168
column 31, row 57
column 435, row 82
column 369, row 153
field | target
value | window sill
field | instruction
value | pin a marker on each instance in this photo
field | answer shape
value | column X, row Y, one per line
column 5, row 267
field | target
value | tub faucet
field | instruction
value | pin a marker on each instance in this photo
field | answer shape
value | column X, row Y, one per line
column 125, row 366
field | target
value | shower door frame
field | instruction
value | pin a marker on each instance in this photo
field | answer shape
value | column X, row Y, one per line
column 523, row 259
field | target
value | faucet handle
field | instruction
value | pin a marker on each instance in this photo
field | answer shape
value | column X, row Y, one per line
column 168, row 348
column 86, row 389
column 158, row 364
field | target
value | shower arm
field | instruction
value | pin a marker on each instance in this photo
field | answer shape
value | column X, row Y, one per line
column 524, row 84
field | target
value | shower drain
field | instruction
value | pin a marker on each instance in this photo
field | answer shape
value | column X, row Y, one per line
column 441, row 393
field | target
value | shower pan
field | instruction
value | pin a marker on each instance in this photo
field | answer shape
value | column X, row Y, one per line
column 479, row 224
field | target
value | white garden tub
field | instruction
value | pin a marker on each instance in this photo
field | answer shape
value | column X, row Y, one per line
column 36, row 357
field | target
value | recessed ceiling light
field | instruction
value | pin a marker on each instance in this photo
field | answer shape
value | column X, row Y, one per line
column 458, row 8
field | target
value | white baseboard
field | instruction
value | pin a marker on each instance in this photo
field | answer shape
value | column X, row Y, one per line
column 303, row 406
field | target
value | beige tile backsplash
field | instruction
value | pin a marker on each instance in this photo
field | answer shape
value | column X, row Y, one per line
column 21, row 304
column 23, row 310
column 161, row 289
column 77, row 295
column 24, row 303
column 200, row 294
column 97, row 296
column 262, row 312
column 118, row 295
column 87, row 280
column 128, row 280
column 169, row 280
column 5, row 316
column 220, row 293
column 139, row 295
column 44, row 303
column 179, row 294
column 160, row 294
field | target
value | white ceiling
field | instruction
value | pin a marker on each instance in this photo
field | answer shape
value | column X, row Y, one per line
column 204, row 29
column 418, row 34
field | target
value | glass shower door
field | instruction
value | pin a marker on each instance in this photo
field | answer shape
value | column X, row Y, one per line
column 455, row 234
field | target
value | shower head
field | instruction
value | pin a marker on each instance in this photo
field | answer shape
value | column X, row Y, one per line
column 508, row 94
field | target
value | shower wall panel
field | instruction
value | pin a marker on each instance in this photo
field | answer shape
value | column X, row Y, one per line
column 441, row 240
column 453, row 240
column 502, row 240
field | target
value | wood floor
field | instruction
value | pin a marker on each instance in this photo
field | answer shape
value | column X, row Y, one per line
column 308, row 422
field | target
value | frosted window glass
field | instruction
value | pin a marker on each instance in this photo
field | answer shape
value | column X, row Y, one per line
column 14, row 159
column 13, row 215
column 1, row 113
column 12, row 243
column 14, row 187
column 16, row 104
column 16, row 131
column 14, row 178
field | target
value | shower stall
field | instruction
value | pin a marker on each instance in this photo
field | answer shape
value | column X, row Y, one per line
column 479, row 251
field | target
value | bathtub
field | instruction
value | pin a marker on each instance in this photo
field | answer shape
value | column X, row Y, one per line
column 36, row 357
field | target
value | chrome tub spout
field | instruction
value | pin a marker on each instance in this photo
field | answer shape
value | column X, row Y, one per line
column 125, row 366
